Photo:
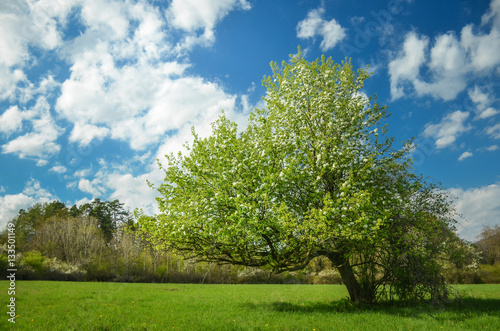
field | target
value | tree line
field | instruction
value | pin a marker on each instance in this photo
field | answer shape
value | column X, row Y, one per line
column 100, row 241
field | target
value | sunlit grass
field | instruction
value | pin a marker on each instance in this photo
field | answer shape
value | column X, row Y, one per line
column 119, row 306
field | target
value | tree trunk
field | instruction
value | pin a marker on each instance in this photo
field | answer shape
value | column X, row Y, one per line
column 356, row 292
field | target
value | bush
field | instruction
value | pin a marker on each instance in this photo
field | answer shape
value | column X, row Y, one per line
column 325, row 277
column 34, row 266
column 33, row 261
column 489, row 274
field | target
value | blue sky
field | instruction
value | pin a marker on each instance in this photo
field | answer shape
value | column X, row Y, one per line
column 92, row 92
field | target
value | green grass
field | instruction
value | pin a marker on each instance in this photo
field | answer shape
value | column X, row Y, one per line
column 42, row 305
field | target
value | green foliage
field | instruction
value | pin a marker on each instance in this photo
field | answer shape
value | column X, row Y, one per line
column 109, row 213
column 26, row 222
column 34, row 260
column 313, row 174
column 489, row 244
column 489, row 274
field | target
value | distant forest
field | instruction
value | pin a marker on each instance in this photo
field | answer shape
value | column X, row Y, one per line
column 99, row 241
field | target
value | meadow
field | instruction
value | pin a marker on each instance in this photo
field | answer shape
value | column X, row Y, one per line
column 45, row 305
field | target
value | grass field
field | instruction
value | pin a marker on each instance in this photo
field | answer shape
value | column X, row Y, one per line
column 44, row 305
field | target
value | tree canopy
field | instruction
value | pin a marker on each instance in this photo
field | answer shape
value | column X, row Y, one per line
column 313, row 174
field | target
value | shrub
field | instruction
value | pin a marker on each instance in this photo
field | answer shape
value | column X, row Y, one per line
column 33, row 260
column 489, row 274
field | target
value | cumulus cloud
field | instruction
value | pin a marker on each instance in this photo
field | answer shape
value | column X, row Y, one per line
column 465, row 155
column 59, row 169
column 450, row 61
column 94, row 187
column 193, row 15
column 39, row 143
column 108, row 17
column 134, row 191
column 142, row 101
column 136, row 104
column 24, row 24
column 45, row 87
column 406, row 66
column 84, row 134
column 11, row 121
column 315, row 25
column 482, row 49
column 480, row 206
column 448, row 129
column 447, row 65
column 9, row 79
column 483, row 99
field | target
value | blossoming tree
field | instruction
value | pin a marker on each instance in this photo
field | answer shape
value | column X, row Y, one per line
column 313, row 174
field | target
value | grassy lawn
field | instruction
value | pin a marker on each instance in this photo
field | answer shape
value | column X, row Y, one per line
column 44, row 305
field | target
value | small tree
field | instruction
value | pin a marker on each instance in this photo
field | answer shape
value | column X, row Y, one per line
column 313, row 174
column 489, row 244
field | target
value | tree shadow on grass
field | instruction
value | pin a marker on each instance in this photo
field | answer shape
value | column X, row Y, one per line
column 466, row 308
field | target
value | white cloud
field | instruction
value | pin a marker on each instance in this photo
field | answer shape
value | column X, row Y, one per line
column 10, row 204
column 46, row 85
column 314, row 24
column 121, row 83
column 93, row 187
column 465, row 155
column 450, row 63
column 493, row 14
column 447, row 131
column 406, row 66
column 40, row 142
column 108, row 17
column 139, row 103
column 149, row 37
column 25, row 24
column 310, row 26
column 492, row 148
column 494, row 131
column 134, row 191
column 83, row 173
column 84, row 134
column 11, row 121
column 28, row 23
column 483, row 99
column 489, row 112
column 193, row 15
column 59, row 169
column 483, row 49
column 183, row 103
column 447, row 66
column 41, row 162
column 480, row 206
column 9, row 81
column 35, row 190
